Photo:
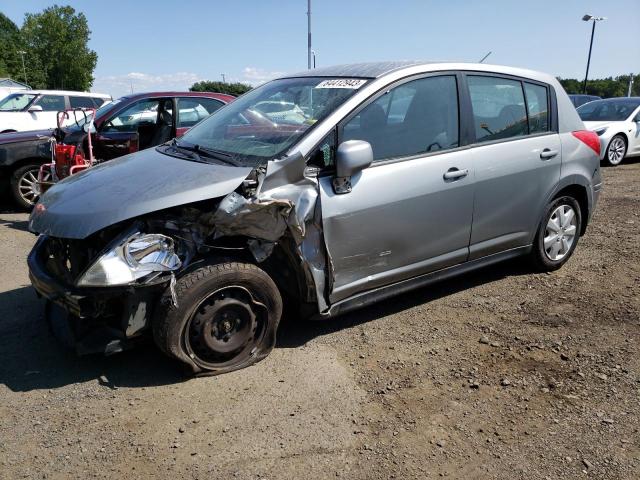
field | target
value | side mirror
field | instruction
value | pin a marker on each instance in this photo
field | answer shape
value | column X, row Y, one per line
column 352, row 157
column 35, row 108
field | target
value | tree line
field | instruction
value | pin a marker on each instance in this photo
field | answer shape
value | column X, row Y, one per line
column 603, row 87
column 235, row 89
column 54, row 47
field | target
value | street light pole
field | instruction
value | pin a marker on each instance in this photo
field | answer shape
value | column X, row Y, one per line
column 24, row 70
column 588, row 18
column 309, row 34
column 223, row 78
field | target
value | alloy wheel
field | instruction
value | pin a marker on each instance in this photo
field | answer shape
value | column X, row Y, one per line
column 616, row 151
column 560, row 233
column 28, row 185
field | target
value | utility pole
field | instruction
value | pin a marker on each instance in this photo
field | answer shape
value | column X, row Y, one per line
column 630, row 84
column 24, row 70
column 309, row 34
column 223, row 78
column 588, row 18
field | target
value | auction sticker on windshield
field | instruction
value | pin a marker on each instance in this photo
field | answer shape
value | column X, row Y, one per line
column 353, row 83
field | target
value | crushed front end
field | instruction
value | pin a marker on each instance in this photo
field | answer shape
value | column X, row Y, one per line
column 101, row 291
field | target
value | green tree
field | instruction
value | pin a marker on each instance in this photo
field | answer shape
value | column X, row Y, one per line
column 220, row 87
column 603, row 87
column 56, row 41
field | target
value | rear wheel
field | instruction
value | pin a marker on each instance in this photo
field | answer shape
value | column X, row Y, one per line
column 616, row 150
column 226, row 318
column 557, row 234
column 24, row 185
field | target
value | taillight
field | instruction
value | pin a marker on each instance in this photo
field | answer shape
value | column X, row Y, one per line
column 590, row 139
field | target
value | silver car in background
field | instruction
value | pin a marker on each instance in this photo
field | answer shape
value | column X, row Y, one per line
column 390, row 176
column 617, row 122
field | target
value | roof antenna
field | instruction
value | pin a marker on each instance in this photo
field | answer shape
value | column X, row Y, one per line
column 485, row 57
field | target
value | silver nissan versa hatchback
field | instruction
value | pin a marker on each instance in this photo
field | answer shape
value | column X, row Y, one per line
column 377, row 179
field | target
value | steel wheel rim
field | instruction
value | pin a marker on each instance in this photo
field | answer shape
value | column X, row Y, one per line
column 616, row 151
column 28, row 185
column 230, row 313
column 560, row 232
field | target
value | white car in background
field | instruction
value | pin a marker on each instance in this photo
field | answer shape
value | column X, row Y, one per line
column 617, row 123
column 37, row 109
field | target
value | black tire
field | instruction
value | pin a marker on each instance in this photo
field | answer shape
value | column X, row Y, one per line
column 226, row 318
column 24, row 199
column 618, row 143
column 539, row 256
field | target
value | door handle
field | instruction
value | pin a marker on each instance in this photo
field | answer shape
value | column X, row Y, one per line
column 454, row 174
column 547, row 154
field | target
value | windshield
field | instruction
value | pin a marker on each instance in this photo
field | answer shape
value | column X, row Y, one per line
column 16, row 102
column 264, row 123
column 607, row 110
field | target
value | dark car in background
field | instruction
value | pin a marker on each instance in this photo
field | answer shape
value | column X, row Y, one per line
column 578, row 100
column 126, row 125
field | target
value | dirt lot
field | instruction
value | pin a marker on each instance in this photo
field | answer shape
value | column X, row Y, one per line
column 502, row 374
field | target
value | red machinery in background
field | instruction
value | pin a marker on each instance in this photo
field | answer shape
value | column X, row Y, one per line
column 68, row 159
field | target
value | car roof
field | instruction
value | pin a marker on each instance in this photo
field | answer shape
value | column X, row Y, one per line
column 219, row 96
column 373, row 70
column 66, row 92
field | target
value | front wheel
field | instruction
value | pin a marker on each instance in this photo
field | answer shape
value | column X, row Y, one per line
column 226, row 318
column 616, row 150
column 557, row 234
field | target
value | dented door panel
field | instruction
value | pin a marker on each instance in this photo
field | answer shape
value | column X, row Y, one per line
column 401, row 219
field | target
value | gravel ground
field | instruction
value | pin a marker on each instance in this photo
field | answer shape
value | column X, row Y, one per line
column 502, row 374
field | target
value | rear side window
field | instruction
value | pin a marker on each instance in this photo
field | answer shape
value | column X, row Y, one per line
column 419, row 116
column 98, row 101
column 192, row 110
column 51, row 103
column 81, row 102
column 538, row 107
column 498, row 108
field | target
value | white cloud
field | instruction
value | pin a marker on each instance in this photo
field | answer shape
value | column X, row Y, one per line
column 255, row 76
column 118, row 85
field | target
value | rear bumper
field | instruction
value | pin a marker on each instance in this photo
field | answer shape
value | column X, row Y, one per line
column 100, row 320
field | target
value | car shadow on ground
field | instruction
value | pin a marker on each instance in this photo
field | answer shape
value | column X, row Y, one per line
column 32, row 359
column 293, row 333
column 22, row 225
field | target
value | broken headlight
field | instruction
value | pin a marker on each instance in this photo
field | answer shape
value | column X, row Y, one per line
column 138, row 256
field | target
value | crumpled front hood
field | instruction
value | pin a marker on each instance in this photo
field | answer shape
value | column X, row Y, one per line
column 127, row 187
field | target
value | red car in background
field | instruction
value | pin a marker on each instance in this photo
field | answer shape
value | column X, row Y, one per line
column 131, row 123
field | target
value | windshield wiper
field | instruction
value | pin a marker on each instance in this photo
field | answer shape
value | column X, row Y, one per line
column 207, row 152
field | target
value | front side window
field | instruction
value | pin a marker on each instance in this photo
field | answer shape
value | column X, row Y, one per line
column 498, row 108
column 144, row 112
column 419, row 116
column 537, row 105
column 51, row 103
column 192, row 110
column 265, row 122
column 16, row 102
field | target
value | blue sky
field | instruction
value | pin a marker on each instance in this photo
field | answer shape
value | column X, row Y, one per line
column 158, row 44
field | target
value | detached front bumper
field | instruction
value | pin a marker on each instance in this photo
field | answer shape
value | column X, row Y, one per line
column 92, row 320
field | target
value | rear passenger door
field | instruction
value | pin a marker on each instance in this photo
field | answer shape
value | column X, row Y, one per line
column 516, row 157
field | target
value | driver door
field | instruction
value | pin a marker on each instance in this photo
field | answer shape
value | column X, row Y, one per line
column 406, row 214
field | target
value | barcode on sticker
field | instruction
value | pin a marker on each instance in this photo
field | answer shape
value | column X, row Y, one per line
column 352, row 83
